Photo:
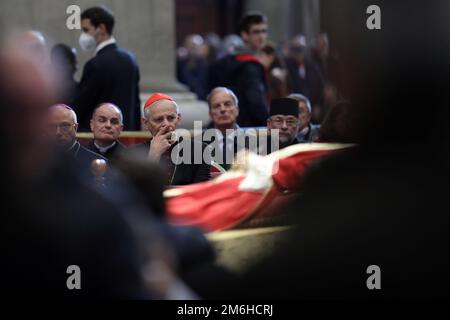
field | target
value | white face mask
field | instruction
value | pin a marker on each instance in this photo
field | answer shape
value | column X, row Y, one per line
column 87, row 42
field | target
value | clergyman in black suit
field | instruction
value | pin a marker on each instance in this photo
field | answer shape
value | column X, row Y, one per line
column 107, row 125
column 62, row 129
column 111, row 75
column 161, row 118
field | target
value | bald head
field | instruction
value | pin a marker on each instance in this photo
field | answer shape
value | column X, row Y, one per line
column 109, row 107
column 62, row 125
column 65, row 110
column 26, row 91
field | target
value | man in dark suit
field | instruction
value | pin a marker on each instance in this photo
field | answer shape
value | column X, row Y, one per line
column 107, row 125
column 227, row 138
column 112, row 75
column 62, row 128
column 177, row 155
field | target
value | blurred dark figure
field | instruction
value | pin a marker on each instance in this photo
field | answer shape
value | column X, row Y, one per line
column 192, row 64
column 383, row 203
column 326, row 59
column 46, row 228
column 277, row 79
column 64, row 61
column 34, row 43
column 305, row 76
column 191, row 246
column 340, row 124
column 327, row 100
column 106, row 126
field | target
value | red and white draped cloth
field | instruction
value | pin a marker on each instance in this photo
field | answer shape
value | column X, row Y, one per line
column 238, row 195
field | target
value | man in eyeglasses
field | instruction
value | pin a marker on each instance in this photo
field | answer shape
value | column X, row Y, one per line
column 62, row 128
column 283, row 117
column 244, row 74
column 254, row 31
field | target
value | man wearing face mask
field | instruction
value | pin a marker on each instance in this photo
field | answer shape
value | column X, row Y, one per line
column 111, row 75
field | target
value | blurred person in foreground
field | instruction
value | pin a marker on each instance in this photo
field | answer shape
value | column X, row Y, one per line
column 47, row 228
column 192, row 64
column 383, row 203
column 276, row 72
column 305, row 77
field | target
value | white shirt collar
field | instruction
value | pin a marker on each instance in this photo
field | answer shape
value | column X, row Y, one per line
column 301, row 134
column 104, row 149
column 230, row 136
column 104, row 44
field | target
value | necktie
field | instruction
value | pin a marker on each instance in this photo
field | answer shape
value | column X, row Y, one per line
column 226, row 162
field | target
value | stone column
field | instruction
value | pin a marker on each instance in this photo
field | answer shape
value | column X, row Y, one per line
column 144, row 27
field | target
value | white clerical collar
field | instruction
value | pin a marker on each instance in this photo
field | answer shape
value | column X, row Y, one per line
column 104, row 149
column 104, row 44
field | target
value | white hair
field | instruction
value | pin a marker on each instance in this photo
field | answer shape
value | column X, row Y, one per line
column 64, row 106
column 222, row 89
column 147, row 110
column 74, row 116
column 301, row 98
